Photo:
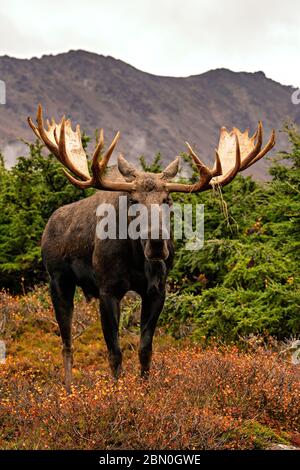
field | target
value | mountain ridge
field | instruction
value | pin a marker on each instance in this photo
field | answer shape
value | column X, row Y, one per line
column 154, row 113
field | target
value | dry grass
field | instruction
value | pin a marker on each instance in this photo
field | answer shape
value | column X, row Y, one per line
column 197, row 398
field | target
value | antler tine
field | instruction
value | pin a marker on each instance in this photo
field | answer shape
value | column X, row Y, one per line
column 64, row 158
column 265, row 150
column 55, row 131
column 195, row 157
column 252, row 155
column 217, row 170
column 100, row 167
column 79, row 184
column 254, row 135
column 205, row 173
column 97, row 152
column 205, row 176
column 56, row 137
column 233, row 171
column 110, row 150
column 43, row 135
column 96, row 165
column 33, row 127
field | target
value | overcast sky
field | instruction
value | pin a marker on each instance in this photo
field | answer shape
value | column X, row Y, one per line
column 165, row 37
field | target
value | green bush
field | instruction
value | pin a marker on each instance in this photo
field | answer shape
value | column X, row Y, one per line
column 246, row 278
column 234, row 313
column 29, row 193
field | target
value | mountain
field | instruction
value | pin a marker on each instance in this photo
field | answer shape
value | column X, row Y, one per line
column 153, row 113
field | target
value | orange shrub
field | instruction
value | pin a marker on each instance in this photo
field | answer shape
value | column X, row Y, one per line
column 196, row 398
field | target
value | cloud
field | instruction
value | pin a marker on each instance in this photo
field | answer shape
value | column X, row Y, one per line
column 15, row 39
column 167, row 37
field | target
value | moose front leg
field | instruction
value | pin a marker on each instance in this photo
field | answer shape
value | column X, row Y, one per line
column 152, row 305
column 110, row 317
column 62, row 289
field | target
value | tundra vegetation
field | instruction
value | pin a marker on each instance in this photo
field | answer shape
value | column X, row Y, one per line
column 220, row 378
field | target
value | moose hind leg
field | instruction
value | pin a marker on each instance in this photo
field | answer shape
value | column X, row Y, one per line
column 110, row 317
column 62, row 294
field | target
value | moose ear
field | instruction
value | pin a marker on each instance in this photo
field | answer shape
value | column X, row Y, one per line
column 126, row 169
column 171, row 170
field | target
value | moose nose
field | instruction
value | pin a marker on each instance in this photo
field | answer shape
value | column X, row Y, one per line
column 156, row 249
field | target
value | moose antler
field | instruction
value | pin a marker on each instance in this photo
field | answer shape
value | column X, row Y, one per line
column 66, row 145
column 251, row 150
column 236, row 152
column 205, row 174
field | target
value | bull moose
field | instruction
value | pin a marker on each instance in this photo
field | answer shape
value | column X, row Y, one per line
column 107, row 269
